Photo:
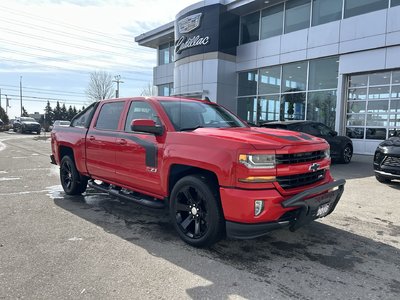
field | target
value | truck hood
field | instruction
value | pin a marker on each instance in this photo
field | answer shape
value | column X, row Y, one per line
column 261, row 138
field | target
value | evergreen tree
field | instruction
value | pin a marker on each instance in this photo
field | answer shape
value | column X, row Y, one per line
column 75, row 111
column 3, row 116
column 57, row 112
column 70, row 113
column 64, row 112
column 49, row 115
column 24, row 112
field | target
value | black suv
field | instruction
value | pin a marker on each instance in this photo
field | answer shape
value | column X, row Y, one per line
column 26, row 124
column 341, row 146
column 387, row 160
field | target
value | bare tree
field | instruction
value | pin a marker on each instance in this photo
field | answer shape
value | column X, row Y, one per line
column 147, row 90
column 100, row 86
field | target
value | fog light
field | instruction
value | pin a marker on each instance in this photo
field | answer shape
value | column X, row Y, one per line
column 258, row 207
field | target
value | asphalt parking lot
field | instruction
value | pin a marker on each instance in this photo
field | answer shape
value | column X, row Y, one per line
column 96, row 247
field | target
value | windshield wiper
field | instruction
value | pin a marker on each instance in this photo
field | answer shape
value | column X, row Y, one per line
column 191, row 128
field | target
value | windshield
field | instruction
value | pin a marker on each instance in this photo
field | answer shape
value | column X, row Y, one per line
column 28, row 119
column 186, row 115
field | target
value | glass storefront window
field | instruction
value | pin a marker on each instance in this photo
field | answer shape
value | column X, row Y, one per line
column 355, row 132
column 247, row 109
column 355, row 107
column 269, row 80
column 269, row 108
column 379, row 92
column 297, row 15
column 323, row 73
column 293, row 106
column 358, row 94
column 165, row 54
column 321, row 107
column 356, row 120
column 358, row 80
column 396, row 77
column 248, row 83
column 165, row 89
column 394, row 121
column 294, row 77
column 377, row 120
column 249, row 28
column 375, row 134
column 272, row 21
column 395, row 91
column 357, row 7
column 378, row 106
column 325, row 11
column 395, row 3
column 395, row 106
column 379, row 78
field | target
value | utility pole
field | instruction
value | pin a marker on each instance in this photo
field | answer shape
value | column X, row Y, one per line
column 20, row 92
column 7, row 104
column 118, row 81
column 0, row 98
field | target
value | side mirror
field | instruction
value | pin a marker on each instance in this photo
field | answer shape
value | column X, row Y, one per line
column 334, row 133
column 146, row 126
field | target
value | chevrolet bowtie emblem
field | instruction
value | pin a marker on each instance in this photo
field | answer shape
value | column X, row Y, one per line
column 314, row 167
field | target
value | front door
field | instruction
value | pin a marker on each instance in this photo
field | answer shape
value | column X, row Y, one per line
column 138, row 154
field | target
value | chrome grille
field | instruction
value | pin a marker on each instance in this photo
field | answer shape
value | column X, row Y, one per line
column 295, row 158
column 392, row 161
column 298, row 180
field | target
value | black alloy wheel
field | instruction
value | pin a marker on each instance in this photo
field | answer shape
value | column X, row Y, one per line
column 347, row 154
column 72, row 182
column 195, row 211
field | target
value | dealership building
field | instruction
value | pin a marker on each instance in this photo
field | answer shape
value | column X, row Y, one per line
column 332, row 61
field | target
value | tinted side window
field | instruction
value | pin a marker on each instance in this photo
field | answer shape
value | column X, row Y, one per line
column 109, row 116
column 310, row 129
column 83, row 119
column 325, row 130
column 140, row 110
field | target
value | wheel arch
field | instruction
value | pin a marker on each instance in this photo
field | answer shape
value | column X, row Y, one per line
column 178, row 171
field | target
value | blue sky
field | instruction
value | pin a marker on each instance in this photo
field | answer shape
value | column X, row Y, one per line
column 55, row 44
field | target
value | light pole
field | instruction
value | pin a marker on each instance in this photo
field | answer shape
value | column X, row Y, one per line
column 118, row 81
column 20, row 92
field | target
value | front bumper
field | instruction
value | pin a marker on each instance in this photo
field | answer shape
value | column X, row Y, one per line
column 307, row 208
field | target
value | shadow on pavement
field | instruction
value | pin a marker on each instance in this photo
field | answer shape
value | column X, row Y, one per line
column 316, row 260
column 360, row 166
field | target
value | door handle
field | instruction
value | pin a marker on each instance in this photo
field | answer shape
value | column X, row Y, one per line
column 92, row 138
column 122, row 142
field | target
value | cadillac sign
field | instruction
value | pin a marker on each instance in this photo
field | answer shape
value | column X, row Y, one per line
column 189, row 23
column 186, row 25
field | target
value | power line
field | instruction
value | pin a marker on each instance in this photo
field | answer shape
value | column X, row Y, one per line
column 81, row 72
column 39, row 89
column 39, row 92
column 63, row 24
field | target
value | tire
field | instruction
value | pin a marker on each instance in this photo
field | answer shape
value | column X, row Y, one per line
column 382, row 179
column 195, row 211
column 72, row 182
column 38, row 132
column 346, row 154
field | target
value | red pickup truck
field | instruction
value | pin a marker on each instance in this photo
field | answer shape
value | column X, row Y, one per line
column 215, row 173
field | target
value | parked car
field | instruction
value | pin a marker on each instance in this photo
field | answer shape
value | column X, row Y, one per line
column 26, row 124
column 59, row 123
column 341, row 146
column 387, row 160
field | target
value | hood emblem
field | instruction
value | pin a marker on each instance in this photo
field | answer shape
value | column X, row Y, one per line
column 314, row 167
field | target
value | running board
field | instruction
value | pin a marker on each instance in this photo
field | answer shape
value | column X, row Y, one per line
column 127, row 196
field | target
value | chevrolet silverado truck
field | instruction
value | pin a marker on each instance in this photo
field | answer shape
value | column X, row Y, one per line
column 215, row 174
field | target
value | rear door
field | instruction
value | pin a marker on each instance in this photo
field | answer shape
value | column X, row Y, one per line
column 138, row 154
column 101, row 141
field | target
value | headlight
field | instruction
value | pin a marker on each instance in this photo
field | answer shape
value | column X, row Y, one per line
column 258, row 161
column 328, row 153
